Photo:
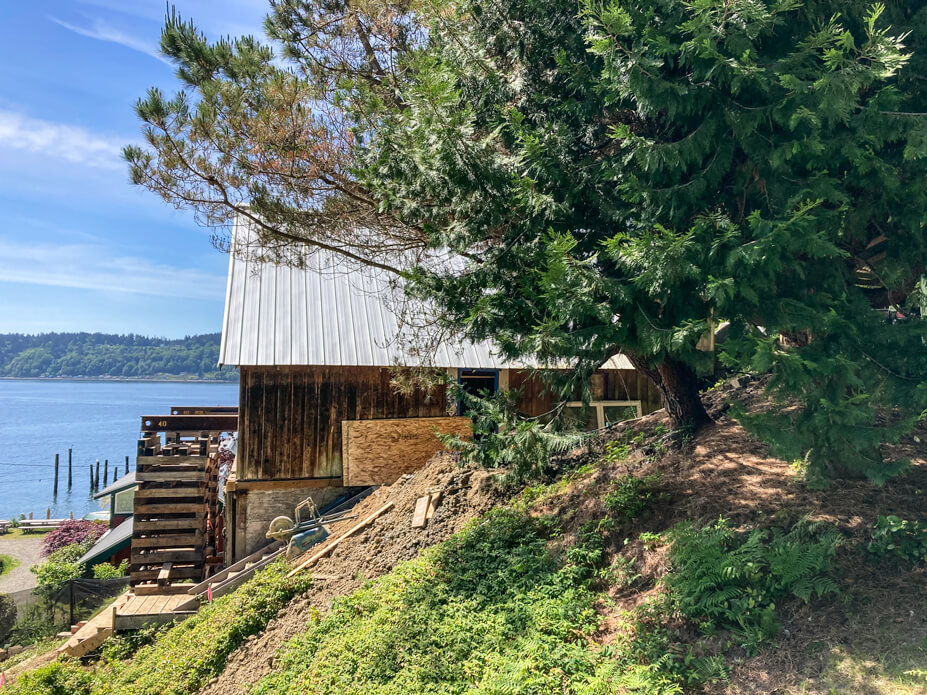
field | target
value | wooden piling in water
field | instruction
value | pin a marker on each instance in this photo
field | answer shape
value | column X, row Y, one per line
column 69, row 470
column 105, row 472
column 96, row 478
column 127, row 465
column 55, row 488
column 91, row 478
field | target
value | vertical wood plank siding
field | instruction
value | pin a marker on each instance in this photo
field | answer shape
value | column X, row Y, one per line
column 290, row 417
column 620, row 385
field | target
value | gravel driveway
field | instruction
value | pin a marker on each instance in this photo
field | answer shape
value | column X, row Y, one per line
column 27, row 549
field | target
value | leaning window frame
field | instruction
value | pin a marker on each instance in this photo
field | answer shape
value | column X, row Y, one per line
column 601, row 405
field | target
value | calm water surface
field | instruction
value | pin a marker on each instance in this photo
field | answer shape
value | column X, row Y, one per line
column 97, row 419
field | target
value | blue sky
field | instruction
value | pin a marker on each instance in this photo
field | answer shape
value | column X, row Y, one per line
column 80, row 247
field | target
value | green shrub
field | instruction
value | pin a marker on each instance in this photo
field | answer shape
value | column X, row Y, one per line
column 195, row 650
column 7, row 616
column 107, row 571
column 627, row 497
column 898, row 537
column 56, row 678
column 502, row 438
column 35, row 622
column 725, row 579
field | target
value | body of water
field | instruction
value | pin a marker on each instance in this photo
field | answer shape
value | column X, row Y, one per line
column 96, row 419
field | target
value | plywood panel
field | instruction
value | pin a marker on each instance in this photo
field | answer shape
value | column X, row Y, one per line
column 377, row 452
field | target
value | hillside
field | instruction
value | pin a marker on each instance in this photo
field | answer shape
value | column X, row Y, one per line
column 102, row 355
column 617, row 577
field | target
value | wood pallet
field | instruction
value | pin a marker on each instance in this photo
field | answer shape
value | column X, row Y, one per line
column 169, row 536
column 176, row 502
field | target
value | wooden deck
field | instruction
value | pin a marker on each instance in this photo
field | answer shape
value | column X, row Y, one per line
column 152, row 609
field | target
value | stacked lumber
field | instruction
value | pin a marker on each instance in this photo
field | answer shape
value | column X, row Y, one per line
column 176, row 502
column 168, row 539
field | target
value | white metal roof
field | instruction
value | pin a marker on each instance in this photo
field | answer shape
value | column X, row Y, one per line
column 329, row 314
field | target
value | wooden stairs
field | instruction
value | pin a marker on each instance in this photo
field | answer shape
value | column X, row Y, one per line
column 93, row 632
column 233, row 576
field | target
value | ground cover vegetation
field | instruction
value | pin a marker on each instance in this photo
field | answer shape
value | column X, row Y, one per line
column 105, row 355
column 594, row 582
column 178, row 660
column 607, row 177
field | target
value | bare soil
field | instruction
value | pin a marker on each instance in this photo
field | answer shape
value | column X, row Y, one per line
column 390, row 539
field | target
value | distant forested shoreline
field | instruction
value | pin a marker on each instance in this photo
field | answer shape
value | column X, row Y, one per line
column 109, row 356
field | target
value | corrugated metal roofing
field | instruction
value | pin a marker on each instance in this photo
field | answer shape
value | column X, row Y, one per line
column 328, row 314
column 124, row 483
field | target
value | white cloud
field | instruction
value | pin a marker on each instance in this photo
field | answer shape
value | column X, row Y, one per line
column 94, row 267
column 101, row 31
column 233, row 17
column 59, row 140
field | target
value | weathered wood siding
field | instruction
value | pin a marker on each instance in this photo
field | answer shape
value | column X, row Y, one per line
column 619, row 385
column 290, row 417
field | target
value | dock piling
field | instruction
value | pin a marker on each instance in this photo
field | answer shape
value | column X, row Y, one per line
column 55, row 488
column 106, row 472
column 69, row 469
column 127, row 465
column 91, row 478
column 96, row 478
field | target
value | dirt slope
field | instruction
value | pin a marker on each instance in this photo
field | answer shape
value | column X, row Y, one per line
column 855, row 643
column 858, row 642
column 466, row 493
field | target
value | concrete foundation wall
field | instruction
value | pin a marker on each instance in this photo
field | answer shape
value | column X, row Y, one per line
column 255, row 509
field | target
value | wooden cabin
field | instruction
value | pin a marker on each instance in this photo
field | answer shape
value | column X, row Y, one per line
column 316, row 346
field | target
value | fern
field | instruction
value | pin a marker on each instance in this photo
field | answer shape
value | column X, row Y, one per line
column 725, row 579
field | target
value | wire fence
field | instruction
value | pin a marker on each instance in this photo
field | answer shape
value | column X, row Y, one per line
column 45, row 611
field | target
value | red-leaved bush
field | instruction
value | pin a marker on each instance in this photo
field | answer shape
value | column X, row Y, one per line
column 71, row 532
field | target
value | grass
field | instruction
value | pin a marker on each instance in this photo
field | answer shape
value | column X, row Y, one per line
column 8, row 563
column 20, row 532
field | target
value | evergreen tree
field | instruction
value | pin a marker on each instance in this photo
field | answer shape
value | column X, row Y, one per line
column 613, row 176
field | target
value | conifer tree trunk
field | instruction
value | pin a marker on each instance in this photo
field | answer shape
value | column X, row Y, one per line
column 678, row 385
